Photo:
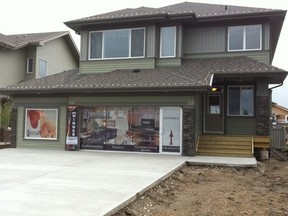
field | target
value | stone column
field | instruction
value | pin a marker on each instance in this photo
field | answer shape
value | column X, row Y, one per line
column 189, row 145
column 262, row 115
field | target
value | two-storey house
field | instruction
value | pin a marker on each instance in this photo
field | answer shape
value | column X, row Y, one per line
column 188, row 79
column 35, row 55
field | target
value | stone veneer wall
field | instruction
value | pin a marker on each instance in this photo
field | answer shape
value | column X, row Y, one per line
column 262, row 116
column 189, row 145
column 13, row 128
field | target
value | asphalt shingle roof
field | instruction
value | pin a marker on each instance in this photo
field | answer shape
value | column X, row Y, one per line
column 199, row 10
column 17, row 41
column 193, row 73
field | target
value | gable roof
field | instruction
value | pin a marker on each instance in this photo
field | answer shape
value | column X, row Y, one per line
column 279, row 106
column 18, row 41
column 192, row 74
column 197, row 11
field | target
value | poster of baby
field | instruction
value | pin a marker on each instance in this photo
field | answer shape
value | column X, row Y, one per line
column 41, row 123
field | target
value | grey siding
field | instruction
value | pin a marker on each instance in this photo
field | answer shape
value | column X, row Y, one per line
column 199, row 114
column 58, row 55
column 13, row 66
column 214, row 40
column 100, row 66
column 46, row 144
column 179, row 36
column 84, row 52
column 266, row 35
column 204, row 40
column 261, row 56
column 144, row 100
column 23, row 103
column 151, row 42
column 165, row 62
column 240, row 126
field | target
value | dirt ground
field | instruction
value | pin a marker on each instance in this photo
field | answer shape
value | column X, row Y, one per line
column 210, row 190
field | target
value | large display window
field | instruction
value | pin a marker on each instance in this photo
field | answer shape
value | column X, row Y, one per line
column 120, row 128
column 131, row 129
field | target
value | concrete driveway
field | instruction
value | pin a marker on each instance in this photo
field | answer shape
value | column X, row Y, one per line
column 85, row 183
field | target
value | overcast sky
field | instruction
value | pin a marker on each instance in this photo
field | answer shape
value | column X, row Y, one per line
column 33, row 16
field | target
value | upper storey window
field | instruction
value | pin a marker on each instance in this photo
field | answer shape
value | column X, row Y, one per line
column 30, row 65
column 244, row 38
column 168, row 42
column 115, row 44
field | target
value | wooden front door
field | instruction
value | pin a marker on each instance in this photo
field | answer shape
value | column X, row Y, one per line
column 214, row 113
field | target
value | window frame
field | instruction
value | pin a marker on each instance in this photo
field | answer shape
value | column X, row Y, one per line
column 28, row 65
column 46, row 67
column 175, row 41
column 244, row 36
column 228, row 101
column 129, row 45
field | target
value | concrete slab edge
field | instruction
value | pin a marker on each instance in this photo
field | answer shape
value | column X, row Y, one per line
column 138, row 194
column 251, row 165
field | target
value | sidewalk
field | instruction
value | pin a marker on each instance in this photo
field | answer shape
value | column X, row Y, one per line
column 222, row 161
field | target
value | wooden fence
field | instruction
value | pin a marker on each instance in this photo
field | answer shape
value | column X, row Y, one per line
column 279, row 138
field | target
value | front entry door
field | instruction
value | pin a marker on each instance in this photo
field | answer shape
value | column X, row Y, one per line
column 214, row 115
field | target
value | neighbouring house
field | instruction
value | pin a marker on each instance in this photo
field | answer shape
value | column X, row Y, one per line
column 35, row 55
column 279, row 132
column 279, row 115
column 187, row 79
column 30, row 56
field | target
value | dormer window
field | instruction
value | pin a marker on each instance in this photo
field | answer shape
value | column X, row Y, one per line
column 30, row 65
column 168, row 42
column 245, row 38
column 116, row 44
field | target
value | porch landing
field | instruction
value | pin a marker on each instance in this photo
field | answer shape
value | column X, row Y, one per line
column 223, row 161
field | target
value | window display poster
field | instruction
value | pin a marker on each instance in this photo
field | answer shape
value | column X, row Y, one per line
column 171, row 129
column 93, row 128
column 72, row 128
column 145, row 129
column 41, row 124
column 120, row 128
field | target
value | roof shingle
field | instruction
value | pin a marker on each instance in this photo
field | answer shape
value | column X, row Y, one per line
column 21, row 40
column 199, row 10
column 193, row 73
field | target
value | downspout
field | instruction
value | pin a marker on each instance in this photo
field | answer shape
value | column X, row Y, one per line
column 276, row 86
column 211, row 80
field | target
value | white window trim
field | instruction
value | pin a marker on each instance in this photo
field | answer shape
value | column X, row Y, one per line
column 130, row 29
column 244, row 39
column 27, row 66
column 286, row 118
column 228, row 102
column 175, row 40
